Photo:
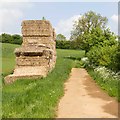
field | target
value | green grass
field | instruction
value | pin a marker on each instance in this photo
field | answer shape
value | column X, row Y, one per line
column 110, row 85
column 7, row 58
column 36, row 98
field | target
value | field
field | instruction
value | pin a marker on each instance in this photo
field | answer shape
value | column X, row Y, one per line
column 8, row 58
column 36, row 98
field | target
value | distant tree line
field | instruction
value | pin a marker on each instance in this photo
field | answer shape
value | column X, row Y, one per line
column 63, row 43
column 13, row 39
column 67, row 44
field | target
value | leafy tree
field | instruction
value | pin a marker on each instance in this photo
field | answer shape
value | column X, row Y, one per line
column 103, row 55
column 97, row 37
column 88, row 21
column 99, row 43
column 43, row 18
column 88, row 29
column 13, row 39
column 17, row 39
column 60, row 37
column 67, row 44
column 62, row 44
column 117, row 57
column 75, row 44
column 102, row 48
column 6, row 38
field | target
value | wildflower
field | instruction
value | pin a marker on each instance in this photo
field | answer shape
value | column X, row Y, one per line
column 84, row 59
column 106, row 73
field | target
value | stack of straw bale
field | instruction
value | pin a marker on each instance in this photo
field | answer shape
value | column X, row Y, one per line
column 37, row 55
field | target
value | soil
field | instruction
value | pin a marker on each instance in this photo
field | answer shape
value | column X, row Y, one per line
column 83, row 98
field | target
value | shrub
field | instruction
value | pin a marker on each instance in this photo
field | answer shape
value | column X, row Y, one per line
column 67, row 44
column 13, row 39
column 117, row 59
column 103, row 55
column 17, row 39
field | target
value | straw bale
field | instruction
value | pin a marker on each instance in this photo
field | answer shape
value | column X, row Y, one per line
column 32, row 61
column 37, row 55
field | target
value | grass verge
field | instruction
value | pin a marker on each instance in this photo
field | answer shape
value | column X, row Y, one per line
column 109, row 84
column 38, row 98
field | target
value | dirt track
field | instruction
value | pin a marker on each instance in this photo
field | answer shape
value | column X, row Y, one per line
column 83, row 98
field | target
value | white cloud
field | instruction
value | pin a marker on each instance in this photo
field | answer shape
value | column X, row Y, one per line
column 9, row 18
column 114, row 23
column 65, row 26
column 11, row 15
column 115, row 18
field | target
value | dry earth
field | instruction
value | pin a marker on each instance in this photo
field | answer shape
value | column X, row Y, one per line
column 83, row 98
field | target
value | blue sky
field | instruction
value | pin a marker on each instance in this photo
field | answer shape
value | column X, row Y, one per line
column 60, row 14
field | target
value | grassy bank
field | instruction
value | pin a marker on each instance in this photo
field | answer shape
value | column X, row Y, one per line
column 110, row 83
column 7, row 58
column 36, row 98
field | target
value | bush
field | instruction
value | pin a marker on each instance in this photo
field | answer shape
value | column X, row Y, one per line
column 117, row 59
column 67, row 44
column 103, row 55
column 13, row 39
column 17, row 39
column 62, row 44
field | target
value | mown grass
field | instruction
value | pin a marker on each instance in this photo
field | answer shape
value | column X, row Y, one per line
column 110, row 85
column 36, row 98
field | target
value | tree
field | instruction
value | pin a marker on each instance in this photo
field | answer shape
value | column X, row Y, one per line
column 99, row 43
column 88, row 21
column 117, row 56
column 13, row 39
column 17, row 39
column 60, row 37
column 97, row 36
column 89, row 30
column 6, row 38
column 103, row 55
column 43, row 18
column 102, row 48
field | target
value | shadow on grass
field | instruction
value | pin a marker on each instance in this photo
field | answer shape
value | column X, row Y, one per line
column 73, row 58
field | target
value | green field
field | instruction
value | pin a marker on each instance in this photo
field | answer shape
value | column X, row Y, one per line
column 8, row 58
column 36, row 98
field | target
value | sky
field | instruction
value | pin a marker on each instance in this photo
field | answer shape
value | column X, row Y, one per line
column 61, row 14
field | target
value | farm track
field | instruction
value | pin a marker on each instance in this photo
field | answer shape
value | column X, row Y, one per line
column 83, row 98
